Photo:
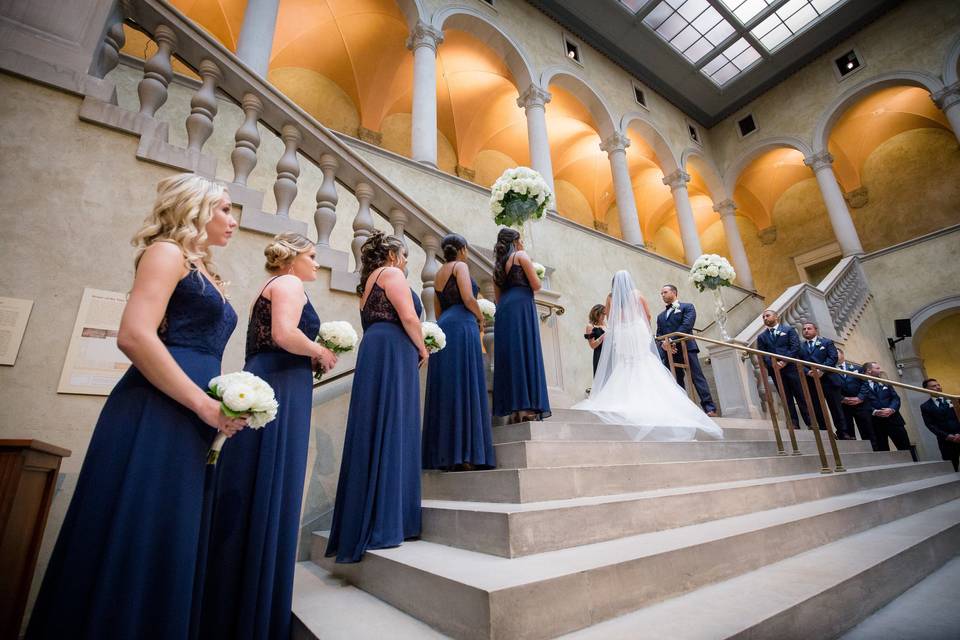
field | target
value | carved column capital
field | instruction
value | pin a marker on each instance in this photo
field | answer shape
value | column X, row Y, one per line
column 616, row 142
column 534, row 97
column 726, row 208
column 947, row 97
column 819, row 161
column 423, row 35
column 677, row 180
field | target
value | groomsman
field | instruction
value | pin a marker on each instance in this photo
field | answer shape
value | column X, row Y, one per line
column 854, row 409
column 680, row 316
column 783, row 340
column 884, row 405
column 817, row 349
column 941, row 418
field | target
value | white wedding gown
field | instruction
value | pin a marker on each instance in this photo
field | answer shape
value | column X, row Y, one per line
column 631, row 386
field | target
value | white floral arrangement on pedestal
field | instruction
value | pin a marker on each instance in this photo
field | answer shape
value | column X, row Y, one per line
column 711, row 271
column 518, row 195
column 487, row 308
column 241, row 394
column 434, row 339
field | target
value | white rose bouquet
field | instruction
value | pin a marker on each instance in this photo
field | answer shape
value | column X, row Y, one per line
column 241, row 394
column 339, row 336
column 487, row 308
column 518, row 195
column 711, row 271
column 540, row 269
column 433, row 337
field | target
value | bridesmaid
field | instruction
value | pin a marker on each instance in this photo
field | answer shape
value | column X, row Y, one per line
column 594, row 332
column 519, row 381
column 256, row 518
column 128, row 562
column 378, row 494
column 456, row 423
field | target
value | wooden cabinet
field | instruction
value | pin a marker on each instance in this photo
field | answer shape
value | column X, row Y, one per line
column 28, row 479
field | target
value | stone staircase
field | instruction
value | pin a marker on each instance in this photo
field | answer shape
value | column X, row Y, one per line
column 583, row 531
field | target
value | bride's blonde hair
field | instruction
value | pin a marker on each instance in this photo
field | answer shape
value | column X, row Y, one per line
column 185, row 204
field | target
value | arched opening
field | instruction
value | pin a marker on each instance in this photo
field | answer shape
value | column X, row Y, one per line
column 939, row 349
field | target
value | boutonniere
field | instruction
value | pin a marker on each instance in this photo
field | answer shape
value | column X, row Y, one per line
column 675, row 306
column 777, row 332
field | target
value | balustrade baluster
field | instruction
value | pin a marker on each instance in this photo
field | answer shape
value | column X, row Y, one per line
column 157, row 72
column 244, row 156
column 363, row 222
column 399, row 221
column 203, row 107
column 431, row 246
column 109, row 54
column 325, row 217
column 288, row 170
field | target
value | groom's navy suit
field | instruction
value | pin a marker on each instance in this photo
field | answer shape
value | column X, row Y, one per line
column 682, row 319
column 784, row 341
column 941, row 419
column 822, row 350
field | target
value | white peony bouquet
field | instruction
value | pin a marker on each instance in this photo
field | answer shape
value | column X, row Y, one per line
column 433, row 337
column 711, row 271
column 518, row 195
column 540, row 269
column 241, row 394
column 339, row 336
column 487, row 308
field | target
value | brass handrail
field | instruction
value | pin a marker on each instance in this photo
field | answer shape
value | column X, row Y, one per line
column 823, row 419
column 552, row 309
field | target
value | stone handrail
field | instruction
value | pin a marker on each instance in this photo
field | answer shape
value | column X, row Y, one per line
column 302, row 135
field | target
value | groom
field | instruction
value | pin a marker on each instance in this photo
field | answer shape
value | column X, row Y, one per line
column 680, row 316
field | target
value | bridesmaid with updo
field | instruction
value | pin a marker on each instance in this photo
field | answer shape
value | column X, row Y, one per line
column 378, row 495
column 457, row 432
column 519, row 379
column 256, row 518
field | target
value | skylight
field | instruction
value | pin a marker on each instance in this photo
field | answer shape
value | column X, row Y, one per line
column 692, row 27
column 731, row 62
column 789, row 20
column 745, row 10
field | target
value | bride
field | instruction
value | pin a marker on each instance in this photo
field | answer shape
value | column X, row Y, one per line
column 631, row 386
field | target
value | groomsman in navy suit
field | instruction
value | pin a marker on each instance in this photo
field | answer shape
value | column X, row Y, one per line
column 680, row 316
column 941, row 418
column 817, row 349
column 854, row 409
column 782, row 339
column 884, row 405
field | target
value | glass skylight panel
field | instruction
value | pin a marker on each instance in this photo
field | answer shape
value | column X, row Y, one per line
column 633, row 5
column 745, row 10
column 731, row 62
column 789, row 20
column 692, row 27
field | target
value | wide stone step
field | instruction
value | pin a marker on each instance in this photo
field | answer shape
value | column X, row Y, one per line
column 586, row 417
column 824, row 592
column 513, row 530
column 561, row 483
column 565, row 453
column 556, row 430
column 473, row 595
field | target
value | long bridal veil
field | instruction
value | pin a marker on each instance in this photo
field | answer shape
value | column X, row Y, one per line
column 631, row 386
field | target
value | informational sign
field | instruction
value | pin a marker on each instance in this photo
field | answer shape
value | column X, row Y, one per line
column 14, row 313
column 94, row 363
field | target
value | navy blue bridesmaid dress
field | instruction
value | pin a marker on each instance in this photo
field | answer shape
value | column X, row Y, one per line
column 456, row 420
column 259, row 488
column 378, row 494
column 129, row 559
column 519, row 379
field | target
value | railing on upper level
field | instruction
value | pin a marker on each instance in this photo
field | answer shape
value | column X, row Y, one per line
column 767, row 397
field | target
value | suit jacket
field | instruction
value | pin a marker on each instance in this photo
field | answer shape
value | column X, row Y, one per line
column 786, row 342
column 881, row 397
column 849, row 385
column 682, row 320
column 942, row 421
column 823, row 352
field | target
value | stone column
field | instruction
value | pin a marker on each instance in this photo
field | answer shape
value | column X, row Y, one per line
column 727, row 210
column 948, row 101
column 423, row 41
column 677, row 181
column 840, row 220
column 534, row 101
column 616, row 149
column 256, row 34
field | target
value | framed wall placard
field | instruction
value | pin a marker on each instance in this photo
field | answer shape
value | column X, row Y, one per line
column 14, row 313
column 94, row 363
